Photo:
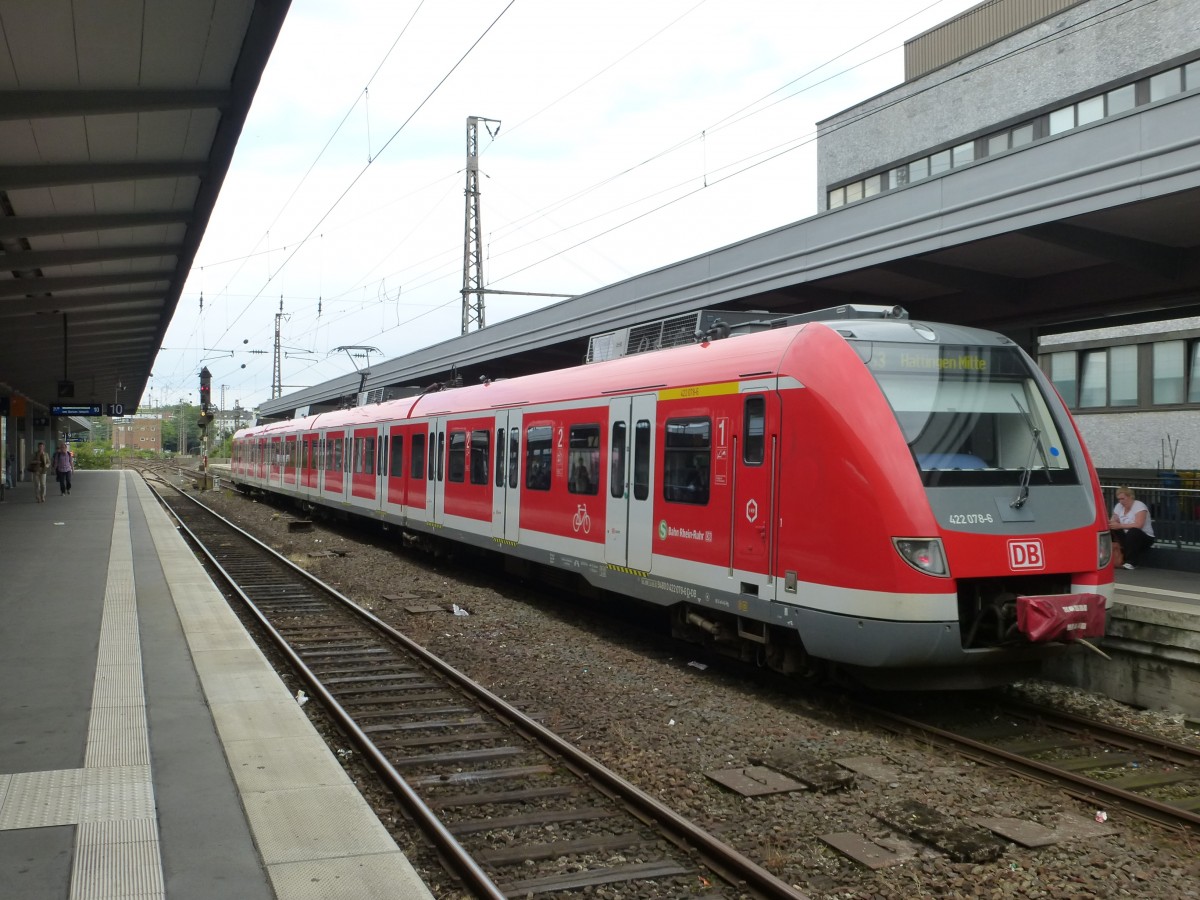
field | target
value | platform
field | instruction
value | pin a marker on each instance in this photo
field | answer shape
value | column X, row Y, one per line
column 147, row 749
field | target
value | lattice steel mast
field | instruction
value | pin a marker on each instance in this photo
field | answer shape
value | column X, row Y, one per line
column 472, row 284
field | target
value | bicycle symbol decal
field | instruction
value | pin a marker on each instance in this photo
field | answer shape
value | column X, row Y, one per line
column 582, row 520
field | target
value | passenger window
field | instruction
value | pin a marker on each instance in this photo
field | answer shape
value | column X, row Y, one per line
column 584, row 459
column 538, row 453
column 456, row 464
column 499, row 457
column 641, row 459
column 754, row 420
column 397, row 455
column 514, row 458
column 480, row 453
column 441, row 456
column 687, row 457
column 432, row 454
column 418, row 456
column 616, row 469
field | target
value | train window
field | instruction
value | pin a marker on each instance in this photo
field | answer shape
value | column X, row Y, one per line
column 432, row 454
column 397, row 455
column 514, row 457
column 687, row 455
column 480, row 453
column 383, row 453
column 538, row 453
column 499, row 457
column 364, row 456
column 616, row 468
column 584, row 459
column 457, row 463
column 335, row 458
column 754, row 420
column 641, row 459
column 971, row 415
column 418, row 456
column 441, row 455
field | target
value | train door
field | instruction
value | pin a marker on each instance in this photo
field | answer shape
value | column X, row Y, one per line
column 364, row 479
column 755, row 483
column 506, row 480
column 416, row 483
column 629, row 535
column 435, row 493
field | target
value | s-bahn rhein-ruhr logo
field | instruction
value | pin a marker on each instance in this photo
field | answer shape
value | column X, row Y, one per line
column 1025, row 555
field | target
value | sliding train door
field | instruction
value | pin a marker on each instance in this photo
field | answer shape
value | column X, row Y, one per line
column 506, row 477
column 629, row 535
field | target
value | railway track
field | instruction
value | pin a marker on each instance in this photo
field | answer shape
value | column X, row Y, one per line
column 1103, row 764
column 515, row 810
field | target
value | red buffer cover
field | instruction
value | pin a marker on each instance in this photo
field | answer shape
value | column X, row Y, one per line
column 1061, row 617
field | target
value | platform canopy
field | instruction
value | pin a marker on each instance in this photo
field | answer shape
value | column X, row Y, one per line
column 118, row 121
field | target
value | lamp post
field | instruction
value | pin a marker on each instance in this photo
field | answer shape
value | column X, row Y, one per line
column 181, row 439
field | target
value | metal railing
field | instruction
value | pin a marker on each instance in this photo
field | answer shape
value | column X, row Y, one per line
column 1174, row 503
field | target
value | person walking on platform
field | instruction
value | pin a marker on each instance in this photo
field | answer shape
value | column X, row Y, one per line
column 39, row 465
column 63, row 468
column 1131, row 527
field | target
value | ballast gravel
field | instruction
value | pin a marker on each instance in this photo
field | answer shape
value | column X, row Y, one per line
column 661, row 714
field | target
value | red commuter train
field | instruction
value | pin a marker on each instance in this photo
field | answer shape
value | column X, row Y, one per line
column 910, row 501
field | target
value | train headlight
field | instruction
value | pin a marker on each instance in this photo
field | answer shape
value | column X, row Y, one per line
column 1104, row 550
column 923, row 554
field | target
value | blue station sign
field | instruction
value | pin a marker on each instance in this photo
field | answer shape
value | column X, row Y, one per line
column 93, row 410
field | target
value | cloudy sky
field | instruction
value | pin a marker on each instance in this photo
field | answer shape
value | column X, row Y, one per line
column 630, row 135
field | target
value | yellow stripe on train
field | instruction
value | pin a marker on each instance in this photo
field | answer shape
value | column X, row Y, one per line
column 699, row 390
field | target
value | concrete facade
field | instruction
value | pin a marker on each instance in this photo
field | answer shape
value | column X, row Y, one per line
column 1077, row 53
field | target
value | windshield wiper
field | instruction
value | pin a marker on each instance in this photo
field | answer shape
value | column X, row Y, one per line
column 1035, row 446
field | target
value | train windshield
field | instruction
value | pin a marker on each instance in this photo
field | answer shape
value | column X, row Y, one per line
column 970, row 415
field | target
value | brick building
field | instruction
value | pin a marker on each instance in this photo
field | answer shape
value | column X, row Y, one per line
column 137, row 433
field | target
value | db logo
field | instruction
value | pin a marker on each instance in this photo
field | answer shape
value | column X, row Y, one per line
column 1026, row 555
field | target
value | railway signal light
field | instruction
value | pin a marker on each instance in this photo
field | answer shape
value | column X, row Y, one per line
column 205, row 389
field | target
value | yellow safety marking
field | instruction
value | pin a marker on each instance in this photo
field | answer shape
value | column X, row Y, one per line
column 699, row 390
column 505, row 541
column 637, row 572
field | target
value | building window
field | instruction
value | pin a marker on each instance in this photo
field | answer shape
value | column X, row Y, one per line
column 1062, row 120
column 939, row 163
column 837, row 197
column 1164, row 84
column 1093, row 379
column 1194, row 378
column 1022, row 134
column 963, row 153
column 898, row 177
column 1090, row 110
column 854, row 192
column 997, row 143
column 918, row 169
column 1168, row 372
column 1122, row 375
column 1122, row 99
column 1191, row 75
column 872, row 185
column 1062, row 373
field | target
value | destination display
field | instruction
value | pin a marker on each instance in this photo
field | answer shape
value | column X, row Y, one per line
column 92, row 410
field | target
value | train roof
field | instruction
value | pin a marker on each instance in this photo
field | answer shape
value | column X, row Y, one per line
column 740, row 357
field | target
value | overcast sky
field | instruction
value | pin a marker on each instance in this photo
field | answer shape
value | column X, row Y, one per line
column 631, row 135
